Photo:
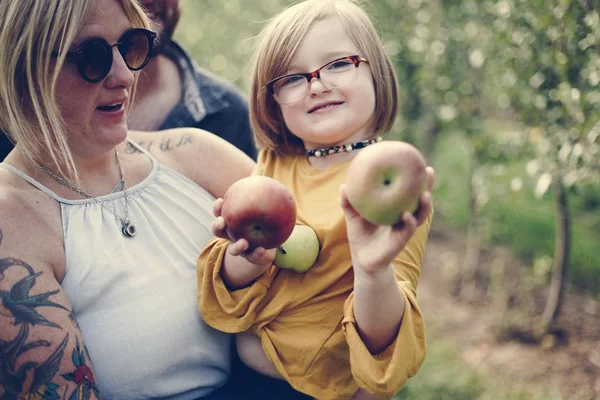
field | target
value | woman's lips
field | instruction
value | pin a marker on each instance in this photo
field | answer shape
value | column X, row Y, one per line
column 111, row 107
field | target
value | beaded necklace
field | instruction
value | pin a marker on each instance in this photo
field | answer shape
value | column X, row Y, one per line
column 342, row 148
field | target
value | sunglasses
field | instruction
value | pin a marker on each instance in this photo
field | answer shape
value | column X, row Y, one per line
column 94, row 57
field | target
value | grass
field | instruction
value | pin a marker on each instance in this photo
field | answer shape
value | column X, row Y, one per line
column 444, row 376
column 517, row 218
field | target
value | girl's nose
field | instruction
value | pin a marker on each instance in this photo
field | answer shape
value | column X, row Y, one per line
column 317, row 87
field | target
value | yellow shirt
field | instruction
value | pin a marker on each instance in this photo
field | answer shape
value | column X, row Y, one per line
column 305, row 321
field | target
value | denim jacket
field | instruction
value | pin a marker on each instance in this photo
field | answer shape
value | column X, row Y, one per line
column 208, row 102
column 5, row 146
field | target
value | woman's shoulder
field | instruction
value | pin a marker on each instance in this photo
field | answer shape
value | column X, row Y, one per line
column 30, row 222
column 14, row 192
column 20, row 201
column 200, row 155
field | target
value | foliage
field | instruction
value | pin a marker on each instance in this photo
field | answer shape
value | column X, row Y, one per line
column 515, row 216
column 464, row 65
column 547, row 72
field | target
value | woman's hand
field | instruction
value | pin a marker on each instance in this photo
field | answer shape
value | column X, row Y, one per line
column 373, row 247
column 260, row 257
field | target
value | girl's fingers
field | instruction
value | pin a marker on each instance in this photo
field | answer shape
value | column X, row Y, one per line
column 425, row 207
column 256, row 256
column 217, row 227
column 217, row 207
column 259, row 256
column 349, row 211
column 344, row 199
column 237, row 248
column 431, row 178
column 409, row 222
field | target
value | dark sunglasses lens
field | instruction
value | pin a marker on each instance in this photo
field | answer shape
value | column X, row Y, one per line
column 95, row 61
column 135, row 49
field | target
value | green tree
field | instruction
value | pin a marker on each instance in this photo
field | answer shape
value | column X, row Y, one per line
column 547, row 72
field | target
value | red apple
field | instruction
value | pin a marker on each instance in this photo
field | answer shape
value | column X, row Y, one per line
column 260, row 210
column 386, row 179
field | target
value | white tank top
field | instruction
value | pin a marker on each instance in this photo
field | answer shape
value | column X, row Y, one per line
column 135, row 298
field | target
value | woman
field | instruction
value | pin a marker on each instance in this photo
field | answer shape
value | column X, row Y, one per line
column 100, row 226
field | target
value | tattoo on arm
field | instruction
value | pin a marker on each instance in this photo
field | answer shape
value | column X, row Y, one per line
column 33, row 380
column 165, row 144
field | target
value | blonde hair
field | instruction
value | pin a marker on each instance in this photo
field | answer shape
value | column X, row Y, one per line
column 29, row 31
column 276, row 45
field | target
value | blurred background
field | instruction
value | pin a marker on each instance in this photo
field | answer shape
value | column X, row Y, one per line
column 503, row 98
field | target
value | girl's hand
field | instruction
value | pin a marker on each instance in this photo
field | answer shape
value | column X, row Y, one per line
column 259, row 256
column 373, row 247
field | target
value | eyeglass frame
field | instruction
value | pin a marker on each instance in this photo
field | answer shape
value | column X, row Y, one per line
column 356, row 59
column 77, row 53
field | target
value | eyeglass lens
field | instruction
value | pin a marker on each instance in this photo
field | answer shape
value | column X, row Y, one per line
column 96, row 59
column 334, row 75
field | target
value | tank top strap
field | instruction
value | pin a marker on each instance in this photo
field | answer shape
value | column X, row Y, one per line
column 143, row 150
column 31, row 181
column 49, row 192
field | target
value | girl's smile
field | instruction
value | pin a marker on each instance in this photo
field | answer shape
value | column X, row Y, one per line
column 326, row 117
column 324, row 107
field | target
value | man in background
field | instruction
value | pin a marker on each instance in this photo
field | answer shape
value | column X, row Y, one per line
column 173, row 92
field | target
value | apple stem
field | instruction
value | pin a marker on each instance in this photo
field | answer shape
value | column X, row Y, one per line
column 282, row 250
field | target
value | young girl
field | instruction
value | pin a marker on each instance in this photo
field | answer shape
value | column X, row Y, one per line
column 352, row 320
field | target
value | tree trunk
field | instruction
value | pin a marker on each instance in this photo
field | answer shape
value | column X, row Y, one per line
column 467, row 282
column 430, row 136
column 561, row 260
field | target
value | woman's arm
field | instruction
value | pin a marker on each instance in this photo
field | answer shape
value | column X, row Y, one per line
column 42, row 351
column 205, row 158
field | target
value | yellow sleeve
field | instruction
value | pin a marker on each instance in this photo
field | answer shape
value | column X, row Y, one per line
column 228, row 311
column 384, row 374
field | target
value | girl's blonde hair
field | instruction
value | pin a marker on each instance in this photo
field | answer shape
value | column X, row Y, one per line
column 30, row 30
column 276, row 46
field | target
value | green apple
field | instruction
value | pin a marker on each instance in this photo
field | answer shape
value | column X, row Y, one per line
column 386, row 179
column 300, row 251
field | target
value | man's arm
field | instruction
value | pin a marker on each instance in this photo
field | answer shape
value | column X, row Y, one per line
column 42, row 354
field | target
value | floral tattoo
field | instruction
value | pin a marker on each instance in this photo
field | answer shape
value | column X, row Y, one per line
column 36, row 380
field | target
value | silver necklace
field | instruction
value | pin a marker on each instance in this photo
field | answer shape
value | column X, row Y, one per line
column 127, row 228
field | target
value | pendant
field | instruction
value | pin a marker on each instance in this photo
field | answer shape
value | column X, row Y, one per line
column 127, row 228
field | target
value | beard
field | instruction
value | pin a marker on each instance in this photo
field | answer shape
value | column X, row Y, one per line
column 164, row 16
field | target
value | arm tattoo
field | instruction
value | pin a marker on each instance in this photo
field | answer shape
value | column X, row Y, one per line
column 36, row 380
column 82, row 375
column 165, row 144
